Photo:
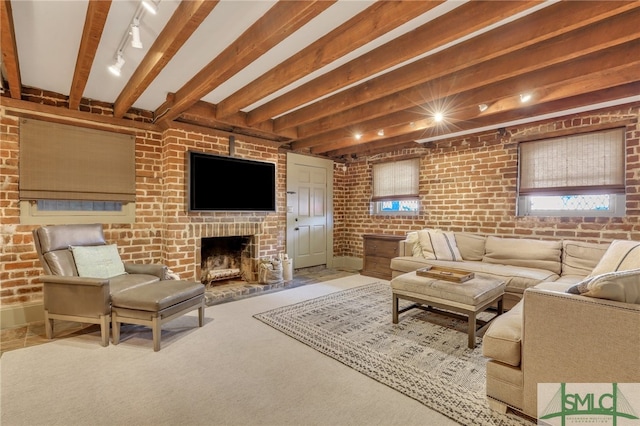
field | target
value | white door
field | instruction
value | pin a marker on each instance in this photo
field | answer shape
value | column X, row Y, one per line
column 309, row 210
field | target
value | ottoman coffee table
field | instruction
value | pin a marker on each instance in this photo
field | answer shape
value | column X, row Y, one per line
column 450, row 298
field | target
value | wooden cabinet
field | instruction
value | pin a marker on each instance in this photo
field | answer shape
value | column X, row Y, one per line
column 378, row 252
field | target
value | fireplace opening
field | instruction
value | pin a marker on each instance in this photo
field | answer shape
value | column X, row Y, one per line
column 225, row 258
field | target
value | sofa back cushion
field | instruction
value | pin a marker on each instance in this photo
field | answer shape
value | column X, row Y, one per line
column 579, row 258
column 471, row 246
column 524, row 252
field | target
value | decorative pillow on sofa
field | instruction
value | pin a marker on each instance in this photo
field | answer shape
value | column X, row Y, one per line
column 622, row 286
column 412, row 239
column 98, row 261
column 621, row 255
column 438, row 245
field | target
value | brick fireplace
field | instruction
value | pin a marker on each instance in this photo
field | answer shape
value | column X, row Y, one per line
column 226, row 250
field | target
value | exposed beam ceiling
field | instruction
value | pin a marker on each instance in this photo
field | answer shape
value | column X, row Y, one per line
column 313, row 74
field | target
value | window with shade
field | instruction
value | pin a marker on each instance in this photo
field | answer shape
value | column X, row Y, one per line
column 75, row 174
column 395, row 187
column 577, row 175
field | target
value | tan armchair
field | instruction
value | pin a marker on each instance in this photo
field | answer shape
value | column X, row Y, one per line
column 70, row 297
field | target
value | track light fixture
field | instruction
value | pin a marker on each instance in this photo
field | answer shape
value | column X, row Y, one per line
column 116, row 68
column 150, row 6
column 133, row 33
column 136, row 43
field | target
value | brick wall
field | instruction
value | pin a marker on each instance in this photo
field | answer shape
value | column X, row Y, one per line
column 469, row 184
column 164, row 231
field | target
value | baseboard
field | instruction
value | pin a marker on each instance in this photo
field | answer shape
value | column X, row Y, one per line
column 19, row 315
column 347, row 262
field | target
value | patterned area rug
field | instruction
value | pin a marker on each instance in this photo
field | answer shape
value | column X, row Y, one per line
column 425, row 356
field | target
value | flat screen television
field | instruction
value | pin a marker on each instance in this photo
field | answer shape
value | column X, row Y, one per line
column 223, row 183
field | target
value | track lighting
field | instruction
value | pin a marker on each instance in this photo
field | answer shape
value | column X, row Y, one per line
column 136, row 43
column 483, row 107
column 438, row 117
column 525, row 97
column 116, row 68
column 150, row 6
column 380, row 132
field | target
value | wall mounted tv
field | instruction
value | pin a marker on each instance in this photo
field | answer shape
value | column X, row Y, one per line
column 223, row 183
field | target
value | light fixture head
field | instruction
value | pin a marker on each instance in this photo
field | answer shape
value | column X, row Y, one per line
column 483, row 107
column 525, row 97
column 358, row 136
column 135, row 34
column 438, row 117
column 116, row 68
column 381, row 132
column 150, row 6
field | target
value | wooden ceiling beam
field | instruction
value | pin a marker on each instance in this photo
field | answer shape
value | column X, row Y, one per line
column 541, row 26
column 431, row 95
column 95, row 19
column 282, row 20
column 204, row 114
column 368, row 25
column 462, row 21
column 10, row 61
column 185, row 20
column 604, row 86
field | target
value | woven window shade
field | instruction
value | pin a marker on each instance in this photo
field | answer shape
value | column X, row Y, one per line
column 589, row 163
column 396, row 180
column 63, row 162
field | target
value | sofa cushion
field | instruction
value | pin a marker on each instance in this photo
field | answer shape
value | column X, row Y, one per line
column 525, row 252
column 621, row 255
column 440, row 245
column 517, row 278
column 579, row 258
column 471, row 246
column 98, row 261
column 622, row 286
column 129, row 281
column 502, row 341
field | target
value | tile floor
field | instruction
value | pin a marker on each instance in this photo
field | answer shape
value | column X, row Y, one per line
column 34, row 334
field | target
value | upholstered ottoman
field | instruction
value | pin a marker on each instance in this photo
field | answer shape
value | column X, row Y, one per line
column 440, row 296
column 154, row 305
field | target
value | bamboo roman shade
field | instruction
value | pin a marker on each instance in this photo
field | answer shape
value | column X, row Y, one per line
column 588, row 163
column 64, row 162
column 396, row 180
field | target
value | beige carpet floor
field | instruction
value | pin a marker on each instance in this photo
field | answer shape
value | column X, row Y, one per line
column 233, row 371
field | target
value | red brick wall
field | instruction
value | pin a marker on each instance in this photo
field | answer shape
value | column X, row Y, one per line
column 469, row 184
column 164, row 231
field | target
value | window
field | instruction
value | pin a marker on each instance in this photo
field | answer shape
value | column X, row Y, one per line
column 395, row 187
column 577, row 175
column 75, row 173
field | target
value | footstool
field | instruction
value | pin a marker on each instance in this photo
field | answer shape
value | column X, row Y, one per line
column 156, row 304
column 431, row 294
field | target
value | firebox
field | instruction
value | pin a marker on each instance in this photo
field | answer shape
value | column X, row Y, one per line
column 225, row 258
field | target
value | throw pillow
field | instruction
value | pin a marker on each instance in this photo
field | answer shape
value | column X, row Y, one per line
column 98, row 261
column 621, row 255
column 412, row 238
column 622, row 286
column 439, row 245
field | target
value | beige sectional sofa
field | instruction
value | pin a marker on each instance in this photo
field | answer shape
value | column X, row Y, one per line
column 521, row 262
column 578, row 324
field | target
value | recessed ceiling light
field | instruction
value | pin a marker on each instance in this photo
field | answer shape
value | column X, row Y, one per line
column 483, row 107
column 380, row 132
column 358, row 136
column 438, row 117
column 525, row 97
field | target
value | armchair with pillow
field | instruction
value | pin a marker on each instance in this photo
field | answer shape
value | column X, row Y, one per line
column 568, row 333
column 82, row 272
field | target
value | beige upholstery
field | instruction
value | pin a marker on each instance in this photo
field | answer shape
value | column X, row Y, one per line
column 70, row 297
column 564, row 338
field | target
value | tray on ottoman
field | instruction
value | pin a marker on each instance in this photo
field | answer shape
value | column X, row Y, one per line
column 443, row 273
